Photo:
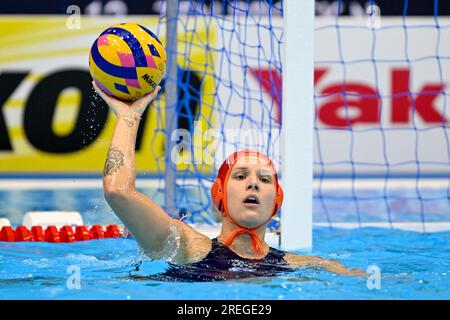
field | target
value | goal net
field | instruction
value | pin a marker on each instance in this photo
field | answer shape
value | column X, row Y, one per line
column 381, row 132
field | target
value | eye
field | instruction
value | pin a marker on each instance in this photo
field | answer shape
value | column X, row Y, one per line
column 240, row 176
column 266, row 180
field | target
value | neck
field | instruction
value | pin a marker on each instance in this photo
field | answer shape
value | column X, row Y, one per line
column 242, row 244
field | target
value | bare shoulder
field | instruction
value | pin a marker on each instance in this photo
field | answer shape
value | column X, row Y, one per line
column 194, row 246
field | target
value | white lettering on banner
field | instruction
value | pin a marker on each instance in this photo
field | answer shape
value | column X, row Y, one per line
column 74, row 20
column 374, row 16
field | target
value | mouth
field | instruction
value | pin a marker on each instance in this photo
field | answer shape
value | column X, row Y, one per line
column 251, row 200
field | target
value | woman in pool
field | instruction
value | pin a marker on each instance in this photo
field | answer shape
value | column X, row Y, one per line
column 246, row 193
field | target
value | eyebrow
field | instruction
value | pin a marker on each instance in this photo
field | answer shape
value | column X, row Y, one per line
column 241, row 168
column 263, row 171
column 266, row 172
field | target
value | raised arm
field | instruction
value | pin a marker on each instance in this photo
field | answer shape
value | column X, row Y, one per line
column 149, row 223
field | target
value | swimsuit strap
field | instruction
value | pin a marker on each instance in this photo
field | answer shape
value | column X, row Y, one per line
column 274, row 255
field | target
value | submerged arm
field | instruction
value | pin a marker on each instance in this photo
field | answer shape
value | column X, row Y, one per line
column 325, row 264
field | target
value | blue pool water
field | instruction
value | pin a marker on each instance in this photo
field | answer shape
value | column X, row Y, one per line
column 412, row 265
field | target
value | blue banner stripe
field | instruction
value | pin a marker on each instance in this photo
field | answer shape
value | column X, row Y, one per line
column 133, row 44
column 109, row 68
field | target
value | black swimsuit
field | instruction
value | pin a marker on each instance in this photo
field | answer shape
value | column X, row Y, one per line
column 223, row 264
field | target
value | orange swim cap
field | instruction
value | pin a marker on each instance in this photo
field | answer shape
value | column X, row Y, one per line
column 219, row 197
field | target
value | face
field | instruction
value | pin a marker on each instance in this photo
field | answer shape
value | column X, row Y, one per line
column 251, row 192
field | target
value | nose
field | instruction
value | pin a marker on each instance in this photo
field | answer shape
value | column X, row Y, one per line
column 253, row 184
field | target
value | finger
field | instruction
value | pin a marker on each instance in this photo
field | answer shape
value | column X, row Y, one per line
column 155, row 92
column 157, row 89
column 147, row 99
column 100, row 92
column 111, row 101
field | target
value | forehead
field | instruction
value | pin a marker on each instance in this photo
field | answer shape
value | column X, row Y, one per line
column 253, row 163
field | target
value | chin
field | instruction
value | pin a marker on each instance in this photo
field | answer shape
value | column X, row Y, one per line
column 251, row 219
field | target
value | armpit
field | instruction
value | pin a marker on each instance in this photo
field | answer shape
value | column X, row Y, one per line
column 171, row 248
column 194, row 246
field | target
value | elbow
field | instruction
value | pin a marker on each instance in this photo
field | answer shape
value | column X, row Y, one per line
column 113, row 194
column 110, row 193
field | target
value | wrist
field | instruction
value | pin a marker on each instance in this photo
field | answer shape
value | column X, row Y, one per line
column 130, row 118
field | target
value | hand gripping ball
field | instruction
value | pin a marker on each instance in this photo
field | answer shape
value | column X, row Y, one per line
column 127, row 61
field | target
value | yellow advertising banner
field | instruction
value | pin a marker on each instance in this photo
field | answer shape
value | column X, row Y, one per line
column 50, row 119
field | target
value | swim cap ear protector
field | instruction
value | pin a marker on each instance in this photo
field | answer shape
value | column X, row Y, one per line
column 218, row 195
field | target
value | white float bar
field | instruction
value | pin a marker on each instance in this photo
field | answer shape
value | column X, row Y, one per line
column 53, row 218
column 4, row 223
column 326, row 183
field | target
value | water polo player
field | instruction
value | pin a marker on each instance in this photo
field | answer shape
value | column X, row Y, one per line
column 246, row 192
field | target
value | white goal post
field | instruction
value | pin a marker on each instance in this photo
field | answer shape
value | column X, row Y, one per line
column 298, row 125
